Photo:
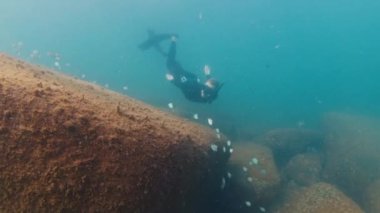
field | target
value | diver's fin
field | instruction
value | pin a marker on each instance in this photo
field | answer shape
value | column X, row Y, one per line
column 159, row 49
column 155, row 39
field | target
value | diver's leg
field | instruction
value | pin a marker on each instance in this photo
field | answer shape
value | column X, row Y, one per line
column 155, row 39
column 172, row 50
column 171, row 62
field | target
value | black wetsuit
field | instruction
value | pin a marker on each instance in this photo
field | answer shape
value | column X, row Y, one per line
column 188, row 82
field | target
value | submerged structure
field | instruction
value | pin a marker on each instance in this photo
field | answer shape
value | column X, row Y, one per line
column 68, row 145
column 71, row 146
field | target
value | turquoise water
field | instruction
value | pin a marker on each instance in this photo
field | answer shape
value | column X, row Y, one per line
column 285, row 63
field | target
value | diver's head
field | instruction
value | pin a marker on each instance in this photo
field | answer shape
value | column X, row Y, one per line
column 210, row 93
column 212, row 83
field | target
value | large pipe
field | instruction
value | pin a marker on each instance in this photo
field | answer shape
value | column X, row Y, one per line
column 68, row 145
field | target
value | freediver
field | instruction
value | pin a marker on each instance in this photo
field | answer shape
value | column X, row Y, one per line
column 188, row 82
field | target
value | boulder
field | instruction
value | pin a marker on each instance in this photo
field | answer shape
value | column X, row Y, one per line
column 318, row 198
column 254, row 178
column 303, row 169
column 352, row 152
column 285, row 143
column 70, row 146
column 371, row 197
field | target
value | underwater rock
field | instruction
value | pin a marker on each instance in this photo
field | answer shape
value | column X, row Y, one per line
column 255, row 177
column 352, row 152
column 304, row 169
column 372, row 197
column 285, row 143
column 71, row 146
column 318, row 198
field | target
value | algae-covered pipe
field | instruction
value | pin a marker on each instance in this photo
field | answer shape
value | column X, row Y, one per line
column 68, row 145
